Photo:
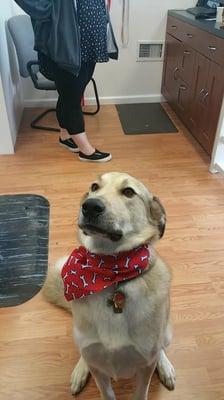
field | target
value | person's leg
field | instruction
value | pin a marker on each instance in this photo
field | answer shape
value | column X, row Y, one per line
column 64, row 137
column 69, row 110
column 81, row 140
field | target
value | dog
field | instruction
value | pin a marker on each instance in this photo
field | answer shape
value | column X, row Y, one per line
column 117, row 215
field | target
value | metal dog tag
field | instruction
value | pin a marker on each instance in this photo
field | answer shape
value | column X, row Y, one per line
column 117, row 302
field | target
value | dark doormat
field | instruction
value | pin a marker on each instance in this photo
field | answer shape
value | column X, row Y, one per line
column 144, row 118
column 24, row 226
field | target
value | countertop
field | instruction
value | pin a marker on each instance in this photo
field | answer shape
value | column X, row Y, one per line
column 208, row 26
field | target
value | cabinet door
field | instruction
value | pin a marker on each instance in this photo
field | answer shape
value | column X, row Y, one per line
column 174, row 50
column 172, row 66
column 170, row 87
column 177, row 75
column 212, row 101
column 198, row 109
column 206, row 105
column 187, row 64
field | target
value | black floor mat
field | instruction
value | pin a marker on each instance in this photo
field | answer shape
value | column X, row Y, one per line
column 24, row 226
column 144, row 118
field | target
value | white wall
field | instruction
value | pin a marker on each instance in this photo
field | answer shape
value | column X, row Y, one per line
column 11, row 86
column 6, row 142
column 127, row 80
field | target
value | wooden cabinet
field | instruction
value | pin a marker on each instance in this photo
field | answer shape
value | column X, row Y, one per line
column 193, row 78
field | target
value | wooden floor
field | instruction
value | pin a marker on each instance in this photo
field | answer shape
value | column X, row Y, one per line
column 37, row 354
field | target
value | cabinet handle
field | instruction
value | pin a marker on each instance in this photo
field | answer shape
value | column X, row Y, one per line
column 182, row 87
column 205, row 96
column 187, row 52
column 173, row 26
column 175, row 73
column 189, row 35
column 212, row 48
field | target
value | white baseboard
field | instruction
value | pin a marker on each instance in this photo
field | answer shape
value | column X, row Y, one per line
column 151, row 98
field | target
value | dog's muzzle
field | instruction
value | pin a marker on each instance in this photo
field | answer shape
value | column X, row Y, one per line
column 94, row 220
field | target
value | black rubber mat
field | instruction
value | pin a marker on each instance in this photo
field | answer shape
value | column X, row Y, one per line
column 144, row 118
column 24, row 226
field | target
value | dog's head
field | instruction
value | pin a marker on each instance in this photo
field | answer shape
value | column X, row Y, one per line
column 119, row 213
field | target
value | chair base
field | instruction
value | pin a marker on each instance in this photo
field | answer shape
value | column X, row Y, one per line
column 97, row 100
column 34, row 124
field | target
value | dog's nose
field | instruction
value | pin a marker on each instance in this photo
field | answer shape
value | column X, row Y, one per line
column 93, row 208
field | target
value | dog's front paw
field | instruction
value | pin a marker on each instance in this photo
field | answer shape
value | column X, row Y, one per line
column 166, row 372
column 79, row 376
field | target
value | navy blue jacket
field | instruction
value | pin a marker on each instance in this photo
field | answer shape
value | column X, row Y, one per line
column 56, row 31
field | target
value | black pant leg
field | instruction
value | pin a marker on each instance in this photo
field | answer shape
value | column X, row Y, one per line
column 71, row 89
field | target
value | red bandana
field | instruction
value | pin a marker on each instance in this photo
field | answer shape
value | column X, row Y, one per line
column 86, row 273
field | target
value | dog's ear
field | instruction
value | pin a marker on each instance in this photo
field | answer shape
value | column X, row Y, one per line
column 158, row 215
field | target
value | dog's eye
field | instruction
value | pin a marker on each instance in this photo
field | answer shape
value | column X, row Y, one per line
column 128, row 192
column 95, row 187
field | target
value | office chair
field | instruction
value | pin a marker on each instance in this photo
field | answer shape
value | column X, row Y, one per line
column 21, row 31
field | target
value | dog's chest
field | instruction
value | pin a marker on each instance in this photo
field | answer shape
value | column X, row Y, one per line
column 120, row 343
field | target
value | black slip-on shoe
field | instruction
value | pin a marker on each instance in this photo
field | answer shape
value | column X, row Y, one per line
column 69, row 144
column 97, row 156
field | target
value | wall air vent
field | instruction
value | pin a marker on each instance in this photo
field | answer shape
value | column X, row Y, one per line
column 150, row 50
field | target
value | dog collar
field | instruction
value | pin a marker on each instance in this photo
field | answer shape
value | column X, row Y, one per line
column 86, row 273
